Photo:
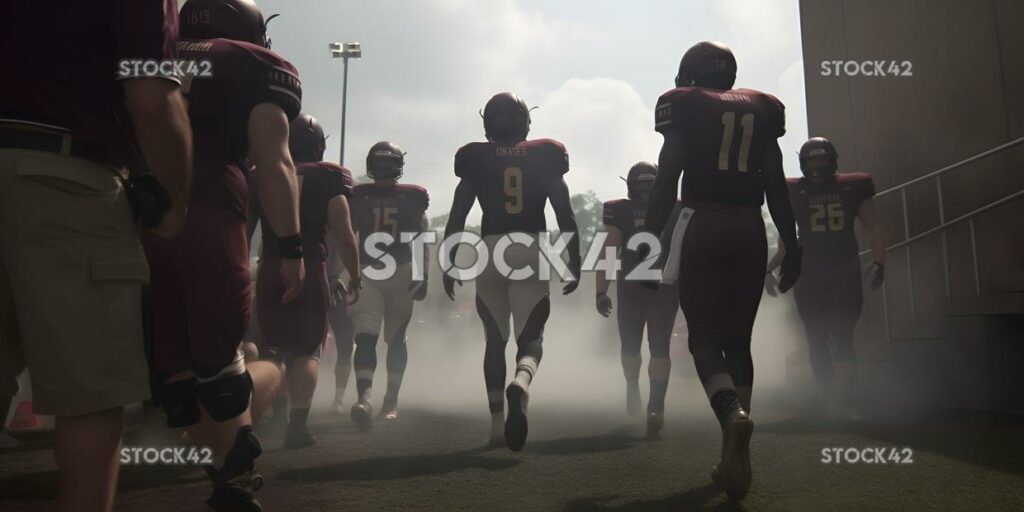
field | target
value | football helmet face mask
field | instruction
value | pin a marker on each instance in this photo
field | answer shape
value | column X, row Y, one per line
column 385, row 161
column 707, row 64
column 640, row 181
column 819, row 160
column 506, row 118
column 238, row 20
column 306, row 139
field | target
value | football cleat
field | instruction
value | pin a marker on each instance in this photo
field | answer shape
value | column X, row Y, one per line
column 235, row 484
column 655, row 421
column 734, row 469
column 362, row 415
column 298, row 436
column 516, row 427
column 337, row 408
column 388, row 411
column 7, row 441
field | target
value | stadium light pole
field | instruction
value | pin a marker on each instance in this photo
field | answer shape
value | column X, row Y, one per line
column 344, row 51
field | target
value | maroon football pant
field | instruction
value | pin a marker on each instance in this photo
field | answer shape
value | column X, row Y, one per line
column 722, row 269
column 721, row 276
column 298, row 328
column 200, row 289
column 641, row 307
column 829, row 298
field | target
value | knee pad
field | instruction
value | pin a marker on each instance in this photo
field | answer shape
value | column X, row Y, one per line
column 531, row 348
column 226, row 396
column 178, row 400
column 366, row 339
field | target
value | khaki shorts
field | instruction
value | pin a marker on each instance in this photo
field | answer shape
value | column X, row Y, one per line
column 71, row 277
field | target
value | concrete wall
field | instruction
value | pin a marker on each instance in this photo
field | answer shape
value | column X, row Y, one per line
column 966, row 96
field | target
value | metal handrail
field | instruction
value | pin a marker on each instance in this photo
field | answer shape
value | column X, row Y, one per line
column 962, row 163
column 942, row 228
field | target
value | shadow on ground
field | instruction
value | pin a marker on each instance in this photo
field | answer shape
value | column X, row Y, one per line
column 700, row 498
column 397, row 468
column 43, row 485
column 615, row 440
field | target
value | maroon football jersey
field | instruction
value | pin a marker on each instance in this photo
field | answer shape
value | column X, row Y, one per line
column 321, row 182
column 725, row 135
column 390, row 209
column 512, row 182
column 62, row 63
column 825, row 214
column 628, row 217
column 244, row 75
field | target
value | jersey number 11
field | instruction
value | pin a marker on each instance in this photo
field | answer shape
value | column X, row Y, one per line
column 728, row 131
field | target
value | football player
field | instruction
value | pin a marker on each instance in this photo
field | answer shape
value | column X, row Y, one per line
column 513, row 179
column 298, row 329
column 639, row 306
column 725, row 141
column 200, row 280
column 385, row 206
column 829, row 294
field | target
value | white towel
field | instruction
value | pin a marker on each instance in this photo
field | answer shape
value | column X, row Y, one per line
column 670, row 274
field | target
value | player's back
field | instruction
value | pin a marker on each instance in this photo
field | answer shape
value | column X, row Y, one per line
column 243, row 75
column 512, row 181
column 393, row 210
column 726, row 136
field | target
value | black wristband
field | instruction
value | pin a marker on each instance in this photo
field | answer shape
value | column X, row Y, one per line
column 291, row 247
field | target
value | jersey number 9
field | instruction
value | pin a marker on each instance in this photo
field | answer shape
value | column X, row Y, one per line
column 513, row 190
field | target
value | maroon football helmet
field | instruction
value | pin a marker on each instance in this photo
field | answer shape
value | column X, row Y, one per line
column 819, row 159
column 385, row 161
column 239, row 20
column 707, row 64
column 640, row 181
column 306, row 139
column 506, row 117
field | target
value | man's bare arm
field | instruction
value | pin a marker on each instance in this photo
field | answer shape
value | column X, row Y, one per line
column 868, row 216
column 344, row 238
column 160, row 116
column 278, row 185
column 663, row 194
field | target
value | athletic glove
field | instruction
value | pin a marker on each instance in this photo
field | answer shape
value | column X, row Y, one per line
column 604, row 304
column 419, row 289
column 771, row 284
column 874, row 275
column 148, row 199
column 338, row 291
column 790, row 269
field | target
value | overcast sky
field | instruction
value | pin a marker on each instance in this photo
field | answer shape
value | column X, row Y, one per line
column 595, row 69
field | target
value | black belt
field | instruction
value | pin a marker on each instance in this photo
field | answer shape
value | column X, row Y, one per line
column 49, row 142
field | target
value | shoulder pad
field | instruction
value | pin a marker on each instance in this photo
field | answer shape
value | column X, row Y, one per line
column 278, row 78
column 667, row 113
column 463, row 157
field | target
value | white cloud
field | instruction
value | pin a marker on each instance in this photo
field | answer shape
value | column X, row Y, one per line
column 606, row 126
